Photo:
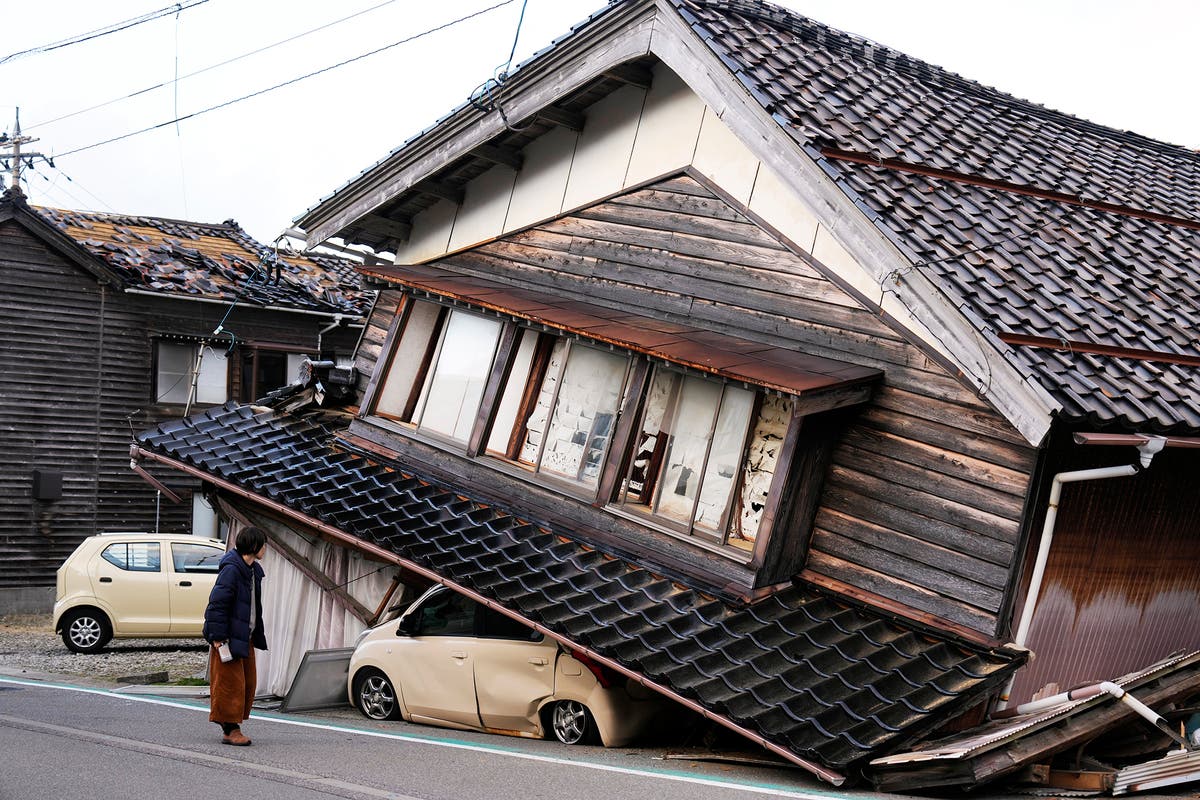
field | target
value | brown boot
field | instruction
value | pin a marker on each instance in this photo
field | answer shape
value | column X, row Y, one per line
column 236, row 738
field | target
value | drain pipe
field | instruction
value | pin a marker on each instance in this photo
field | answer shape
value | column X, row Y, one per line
column 1093, row 690
column 1146, row 452
column 337, row 321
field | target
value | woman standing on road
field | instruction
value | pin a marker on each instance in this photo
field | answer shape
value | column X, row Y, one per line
column 233, row 625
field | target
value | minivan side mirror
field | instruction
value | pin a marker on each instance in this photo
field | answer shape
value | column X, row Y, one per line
column 408, row 625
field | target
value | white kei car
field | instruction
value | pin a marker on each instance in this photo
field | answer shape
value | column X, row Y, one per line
column 452, row 662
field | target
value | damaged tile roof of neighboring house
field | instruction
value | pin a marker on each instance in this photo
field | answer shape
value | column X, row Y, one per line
column 214, row 262
column 823, row 682
column 1072, row 247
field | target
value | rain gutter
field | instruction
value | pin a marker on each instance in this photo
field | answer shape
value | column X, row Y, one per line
column 137, row 453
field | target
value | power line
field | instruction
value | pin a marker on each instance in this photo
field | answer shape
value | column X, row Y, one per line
column 288, row 82
column 210, row 67
column 105, row 31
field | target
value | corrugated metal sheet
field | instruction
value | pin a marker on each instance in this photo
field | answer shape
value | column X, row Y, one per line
column 1181, row 766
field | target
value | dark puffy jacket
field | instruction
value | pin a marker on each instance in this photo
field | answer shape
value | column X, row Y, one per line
column 227, row 618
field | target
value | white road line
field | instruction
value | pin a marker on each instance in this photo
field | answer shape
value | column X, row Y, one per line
column 777, row 791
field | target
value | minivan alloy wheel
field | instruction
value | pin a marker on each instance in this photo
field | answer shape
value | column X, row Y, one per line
column 571, row 722
column 377, row 697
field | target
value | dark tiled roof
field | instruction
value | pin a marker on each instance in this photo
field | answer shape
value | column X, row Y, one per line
column 218, row 262
column 779, row 368
column 825, row 681
column 1014, row 262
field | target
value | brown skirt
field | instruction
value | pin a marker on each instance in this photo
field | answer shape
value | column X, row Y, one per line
column 230, row 687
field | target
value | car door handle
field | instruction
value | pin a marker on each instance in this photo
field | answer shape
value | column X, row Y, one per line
column 537, row 662
column 185, row 583
column 106, row 580
column 459, row 655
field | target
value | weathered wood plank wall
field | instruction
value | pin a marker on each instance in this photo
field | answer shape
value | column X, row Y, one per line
column 924, row 496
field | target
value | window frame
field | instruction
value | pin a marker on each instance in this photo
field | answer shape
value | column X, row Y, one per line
column 648, row 513
column 614, row 465
column 538, row 374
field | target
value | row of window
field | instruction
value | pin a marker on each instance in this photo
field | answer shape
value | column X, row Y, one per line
column 176, row 365
column 683, row 466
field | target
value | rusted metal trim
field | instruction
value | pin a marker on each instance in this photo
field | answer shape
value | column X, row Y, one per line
column 155, row 482
column 1005, row 186
column 825, row 774
column 1068, row 346
column 1133, row 439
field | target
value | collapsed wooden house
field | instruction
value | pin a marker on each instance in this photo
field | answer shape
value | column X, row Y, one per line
column 777, row 369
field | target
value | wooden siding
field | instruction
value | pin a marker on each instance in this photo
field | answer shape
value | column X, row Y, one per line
column 923, row 499
column 76, row 379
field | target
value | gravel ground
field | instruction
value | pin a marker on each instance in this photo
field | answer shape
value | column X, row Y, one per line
column 28, row 644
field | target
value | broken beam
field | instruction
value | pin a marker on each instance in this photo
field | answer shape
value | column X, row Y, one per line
column 318, row 577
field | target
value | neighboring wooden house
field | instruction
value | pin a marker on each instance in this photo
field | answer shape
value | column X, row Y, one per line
column 779, row 314
column 104, row 316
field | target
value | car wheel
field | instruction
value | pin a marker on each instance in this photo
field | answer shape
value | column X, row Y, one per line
column 375, row 696
column 572, row 723
column 86, row 631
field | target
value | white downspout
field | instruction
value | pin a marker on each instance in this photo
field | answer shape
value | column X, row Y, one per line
column 1146, row 452
column 1092, row 690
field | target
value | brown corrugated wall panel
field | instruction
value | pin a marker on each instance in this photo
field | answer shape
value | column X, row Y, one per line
column 1122, row 582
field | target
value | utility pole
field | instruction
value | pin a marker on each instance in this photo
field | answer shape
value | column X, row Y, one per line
column 14, row 160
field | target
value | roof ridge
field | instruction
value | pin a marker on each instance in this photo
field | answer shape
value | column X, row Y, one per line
column 885, row 55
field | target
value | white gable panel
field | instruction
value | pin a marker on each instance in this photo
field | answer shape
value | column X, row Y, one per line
column 542, row 181
column 724, row 159
column 669, row 128
column 602, row 155
column 430, row 234
column 485, row 205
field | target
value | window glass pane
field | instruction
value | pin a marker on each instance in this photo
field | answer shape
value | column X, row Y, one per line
column 514, row 392
column 213, row 386
column 535, row 425
column 174, row 366
column 584, row 411
column 195, row 557
column 652, row 443
column 724, row 458
column 464, row 359
column 687, row 446
column 133, row 556
column 447, row 614
column 762, row 461
column 499, row 626
column 117, row 555
column 407, row 359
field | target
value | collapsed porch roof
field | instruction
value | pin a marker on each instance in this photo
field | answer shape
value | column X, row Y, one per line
column 810, row 676
column 779, row 368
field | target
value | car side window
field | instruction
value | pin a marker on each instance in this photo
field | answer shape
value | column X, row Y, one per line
column 133, row 556
column 195, row 558
column 446, row 614
column 499, row 626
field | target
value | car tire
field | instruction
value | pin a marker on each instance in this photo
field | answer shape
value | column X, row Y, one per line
column 375, row 696
column 572, row 723
column 86, row 630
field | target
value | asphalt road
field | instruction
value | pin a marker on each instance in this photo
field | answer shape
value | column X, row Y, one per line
column 66, row 742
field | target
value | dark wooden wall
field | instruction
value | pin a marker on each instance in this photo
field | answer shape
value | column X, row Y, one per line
column 923, row 500
column 76, row 377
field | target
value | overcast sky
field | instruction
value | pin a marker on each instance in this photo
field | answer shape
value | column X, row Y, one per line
column 265, row 160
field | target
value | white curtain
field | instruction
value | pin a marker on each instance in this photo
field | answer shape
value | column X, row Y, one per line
column 299, row 615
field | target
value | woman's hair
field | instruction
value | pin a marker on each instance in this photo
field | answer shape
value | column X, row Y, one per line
column 250, row 540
